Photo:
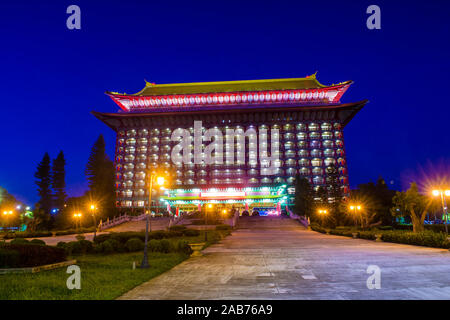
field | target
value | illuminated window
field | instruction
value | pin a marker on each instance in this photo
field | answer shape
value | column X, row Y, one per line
column 316, row 162
column 131, row 142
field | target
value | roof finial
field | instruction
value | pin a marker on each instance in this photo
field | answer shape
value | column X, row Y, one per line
column 313, row 75
column 148, row 84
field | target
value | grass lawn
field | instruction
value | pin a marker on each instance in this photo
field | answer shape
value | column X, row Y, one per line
column 103, row 277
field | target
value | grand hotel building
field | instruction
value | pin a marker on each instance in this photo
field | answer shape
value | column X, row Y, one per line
column 308, row 115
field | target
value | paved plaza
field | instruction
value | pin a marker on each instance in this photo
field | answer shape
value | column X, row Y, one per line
column 277, row 258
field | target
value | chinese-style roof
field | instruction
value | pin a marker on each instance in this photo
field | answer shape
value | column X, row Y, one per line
column 342, row 112
column 230, row 94
column 152, row 89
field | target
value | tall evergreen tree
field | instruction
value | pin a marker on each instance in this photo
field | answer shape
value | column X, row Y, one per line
column 304, row 197
column 100, row 175
column 335, row 193
column 59, row 181
column 43, row 182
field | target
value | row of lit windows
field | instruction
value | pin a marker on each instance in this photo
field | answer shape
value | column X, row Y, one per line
column 288, row 136
column 288, row 154
column 316, row 180
column 325, row 126
column 304, row 162
column 287, row 146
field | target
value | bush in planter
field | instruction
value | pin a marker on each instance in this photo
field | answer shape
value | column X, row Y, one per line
column 9, row 258
column 38, row 242
column 135, row 244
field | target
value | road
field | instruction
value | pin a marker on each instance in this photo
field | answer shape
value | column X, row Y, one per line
column 276, row 258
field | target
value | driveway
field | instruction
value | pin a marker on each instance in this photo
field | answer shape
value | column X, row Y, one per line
column 276, row 258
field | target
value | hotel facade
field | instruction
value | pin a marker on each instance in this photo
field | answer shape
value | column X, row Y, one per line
column 299, row 121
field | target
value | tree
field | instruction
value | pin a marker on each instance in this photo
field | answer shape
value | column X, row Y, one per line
column 43, row 182
column 304, row 197
column 335, row 194
column 376, row 199
column 414, row 204
column 100, row 175
column 59, row 181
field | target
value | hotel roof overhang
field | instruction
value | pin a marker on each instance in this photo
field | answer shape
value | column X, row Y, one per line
column 341, row 112
column 230, row 93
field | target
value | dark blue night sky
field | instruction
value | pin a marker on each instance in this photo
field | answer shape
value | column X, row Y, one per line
column 52, row 77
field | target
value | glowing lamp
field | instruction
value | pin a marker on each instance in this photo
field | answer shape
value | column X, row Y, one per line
column 352, row 207
column 447, row 193
column 160, row 180
column 436, row 193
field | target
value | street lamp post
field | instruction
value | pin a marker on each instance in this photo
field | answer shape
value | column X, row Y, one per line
column 356, row 208
column 323, row 213
column 77, row 217
column 159, row 181
column 443, row 194
column 7, row 213
column 206, row 219
column 93, row 208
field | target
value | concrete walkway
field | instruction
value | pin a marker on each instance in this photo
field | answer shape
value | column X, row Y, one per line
column 276, row 258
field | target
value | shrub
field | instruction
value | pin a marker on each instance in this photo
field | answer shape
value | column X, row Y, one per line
column 183, row 247
column 107, row 246
column 369, row 235
column 177, row 228
column 28, row 234
column 191, row 233
column 19, row 241
column 425, row 238
column 9, row 258
column 164, row 246
column 80, row 237
column 61, row 244
column 223, row 227
column 135, row 244
column 31, row 255
column 154, row 245
column 174, row 234
column 38, row 242
column 385, row 228
column 73, row 247
column 316, row 227
column 85, row 246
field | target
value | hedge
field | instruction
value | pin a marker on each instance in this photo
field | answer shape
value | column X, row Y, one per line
column 426, row 238
column 29, row 255
column 223, row 227
column 27, row 234
column 123, row 237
